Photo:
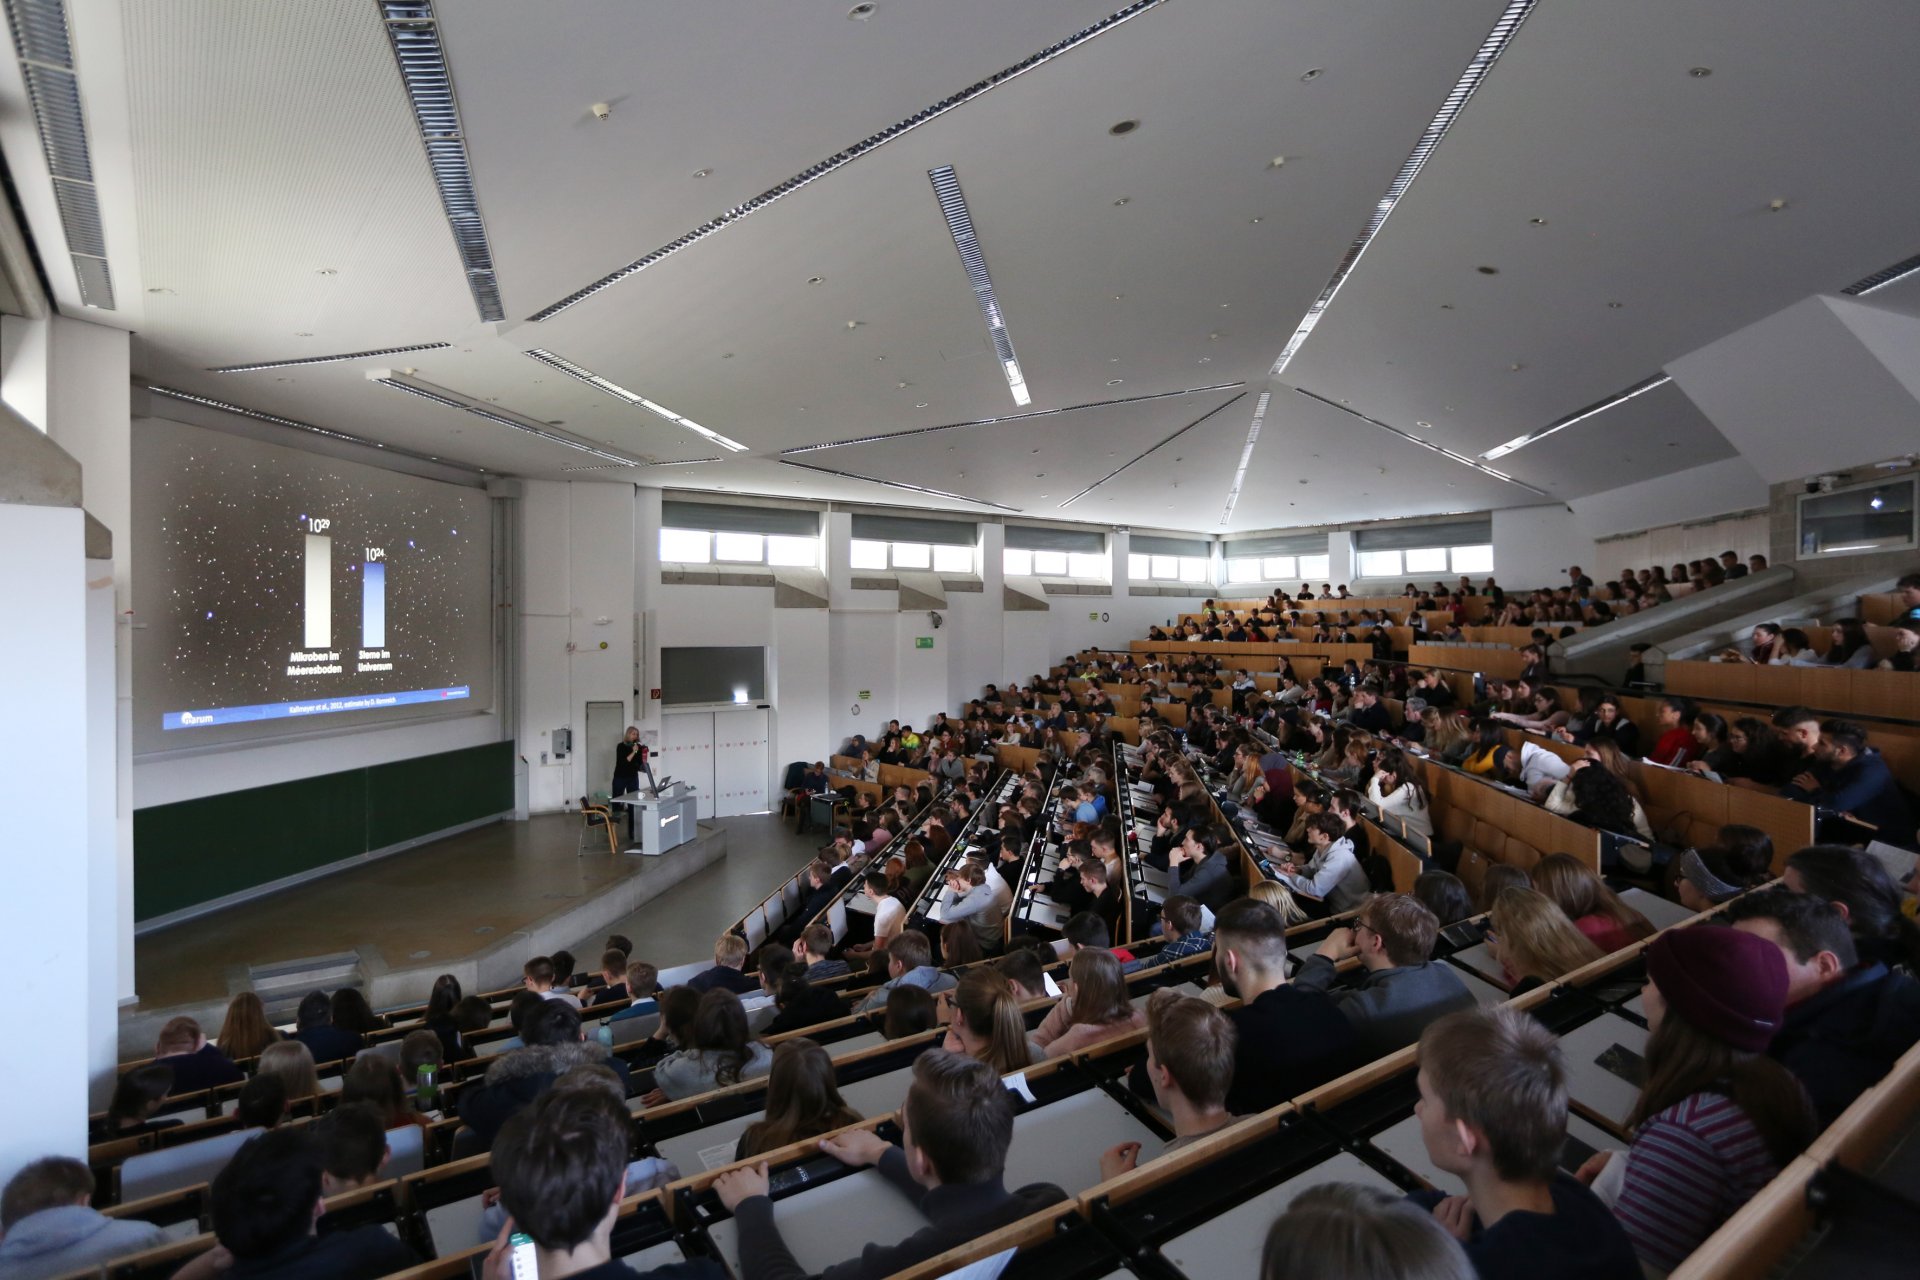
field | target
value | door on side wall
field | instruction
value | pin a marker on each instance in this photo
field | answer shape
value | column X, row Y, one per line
column 687, row 755
column 606, row 725
column 740, row 761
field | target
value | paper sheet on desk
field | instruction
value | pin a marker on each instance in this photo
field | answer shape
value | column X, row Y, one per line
column 714, row 1157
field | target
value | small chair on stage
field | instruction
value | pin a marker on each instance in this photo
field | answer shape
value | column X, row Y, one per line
column 596, row 816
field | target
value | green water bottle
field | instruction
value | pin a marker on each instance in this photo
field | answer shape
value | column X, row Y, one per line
column 426, row 1090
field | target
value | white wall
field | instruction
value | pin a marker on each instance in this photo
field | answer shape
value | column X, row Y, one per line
column 1534, row 546
column 1712, row 489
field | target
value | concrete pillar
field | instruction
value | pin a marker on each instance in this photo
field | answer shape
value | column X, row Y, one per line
column 46, row 777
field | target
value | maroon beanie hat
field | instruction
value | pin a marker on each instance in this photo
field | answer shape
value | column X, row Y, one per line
column 1728, row 983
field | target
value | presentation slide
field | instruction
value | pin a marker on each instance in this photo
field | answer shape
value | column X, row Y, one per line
column 276, row 586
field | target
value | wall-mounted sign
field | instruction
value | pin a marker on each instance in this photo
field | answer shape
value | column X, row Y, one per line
column 865, row 694
column 1094, row 616
column 923, row 642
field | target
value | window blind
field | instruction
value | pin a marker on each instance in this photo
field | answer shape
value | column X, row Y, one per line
column 723, row 518
column 1154, row 544
column 1451, row 533
column 945, row 533
column 1278, row 544
column 1028, row 538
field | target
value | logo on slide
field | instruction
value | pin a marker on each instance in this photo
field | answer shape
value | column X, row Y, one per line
column 187, row 718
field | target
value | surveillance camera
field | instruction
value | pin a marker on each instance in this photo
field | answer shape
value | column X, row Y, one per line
column 936, row 618
column 1813, row 486
column 601, row 111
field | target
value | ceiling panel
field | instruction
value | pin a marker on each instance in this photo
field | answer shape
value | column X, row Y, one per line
column 1653, row 434
column 1655, row 187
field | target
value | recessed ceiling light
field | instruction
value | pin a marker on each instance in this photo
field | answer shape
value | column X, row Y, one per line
column 1700, row 73
column 1312, row 73
column 326, row 271
column 1123, row 128
column 815, row 279
column 1255, row 221
column 303, row 335
column 726, row 355
column 1122, row 201
column 703, row 173
column 1538, row 222
column 1118, row 296
column 1488, row 271
column 1446, row 306
column 860, row 12
column 1423, row 425
column 921, row 405
column 1276, row 162
column 1616, row 305
column 1775, row 205
column 1206, row 359
column 1114, row 382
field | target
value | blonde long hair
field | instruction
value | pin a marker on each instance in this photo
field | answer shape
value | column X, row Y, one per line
column 1536, row 940
column 245, row 1031
column 1280, row 898
column 293, row 1063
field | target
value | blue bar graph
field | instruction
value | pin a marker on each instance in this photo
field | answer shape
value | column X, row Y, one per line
column 373, row 605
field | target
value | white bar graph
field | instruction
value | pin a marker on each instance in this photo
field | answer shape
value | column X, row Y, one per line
column 319, row 610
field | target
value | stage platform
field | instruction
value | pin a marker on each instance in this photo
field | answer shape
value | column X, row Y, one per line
column 475, row 905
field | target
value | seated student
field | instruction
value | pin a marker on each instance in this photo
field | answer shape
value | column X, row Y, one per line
column 1182, row 924
column 1201, row 866
column 1346, row 1231
column 1103, row 894
column 375, row 1080
column 1847, row 1022
column 313, row 1027
column 1717, row 1118
column 421, row 1049
column 137, row 1094
column 889, row 912
column 802, row 1101
column 1676, row 744
column 471, row 1016
column 1584, row 897
column 1024, row 968
column 554, row 1046
column 1397, row 793
column 1857, row 882
column 1534, row 941
column 969, row 898
column 728, row 971
column 909, row 964
column 643, row 985
column 353, row 1147
column 292, row 1063
column 542, row 976
column 1404, row 988
column 955, row 1127
column 909, row 1012
column 720, row 1051
column 1088, row 930
column 959, row 945
column 1190, row 1057
column 245, row 1031
column 813, row 947
column 1444, row 894
column 1291, row 1038
column 351, row 1012
column 1333, row 875
column 266, row 1206
column 613, row 980
column 1493, row 1112
column 196, row 1064
column 562, row 1169
column 1095, row 1008
column 49, row 1227
column 1853, row 779
column 801, row 1004
column 263, row 1102
column 984, row 1019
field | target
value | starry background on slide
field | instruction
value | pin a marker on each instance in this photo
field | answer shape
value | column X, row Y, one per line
column 231, row 525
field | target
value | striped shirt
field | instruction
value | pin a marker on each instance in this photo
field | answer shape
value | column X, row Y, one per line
column 1689, row 1168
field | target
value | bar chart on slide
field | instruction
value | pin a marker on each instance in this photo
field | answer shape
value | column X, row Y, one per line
column 373, row 601
column 319, row 600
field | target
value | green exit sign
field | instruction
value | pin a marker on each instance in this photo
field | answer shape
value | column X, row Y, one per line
column 1094, row 616
column 923, row 642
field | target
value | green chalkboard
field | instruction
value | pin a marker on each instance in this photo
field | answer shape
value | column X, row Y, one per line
column 198, row 850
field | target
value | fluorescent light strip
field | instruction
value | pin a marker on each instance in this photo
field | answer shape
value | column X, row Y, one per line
column 842, row 158
column 1521, row 442
column 1428, row 445
column 1885, row 276
column 454, row 400
column 415, row 35
column 1246, row 454
column 953, row 207
column 294, row 423
column 1489, row 53
column 1163, row 444
column 619, row 392
column 1009, row 417
column 899, row 484
column 344, row 356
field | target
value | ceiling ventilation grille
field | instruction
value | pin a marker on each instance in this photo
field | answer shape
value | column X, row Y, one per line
column 296, row 425
column 481, row 409
column 1489, row 53
column 618, row 392
column 40, row 38
column 1246, row 454
column 334, row 359
column 1580, row 415
column 415, row 36
column 1428, row 445
column 852, row 153
column 953, row 207
column 1884, row 277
